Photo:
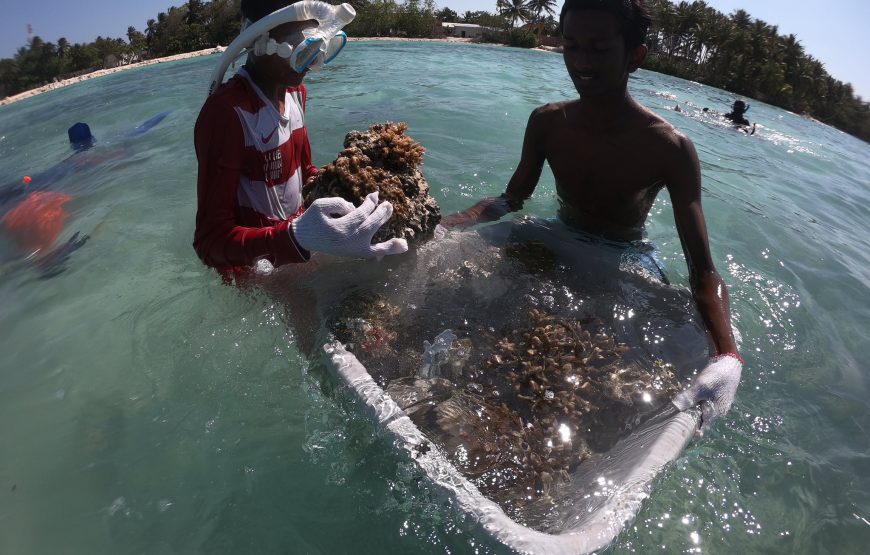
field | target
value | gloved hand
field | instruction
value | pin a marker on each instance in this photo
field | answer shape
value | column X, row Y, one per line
column 334, row 226
column 714, row 389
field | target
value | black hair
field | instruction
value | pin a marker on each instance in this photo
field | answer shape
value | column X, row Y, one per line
column 258, row 9
column 633, row 14
column 80, row 136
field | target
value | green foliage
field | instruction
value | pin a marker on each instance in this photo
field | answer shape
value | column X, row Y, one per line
column 522, row 38
column 417, row 19
column 388, row 18
column 447, row 15
column 193, row 26
column 514, row 11
column 485, row 19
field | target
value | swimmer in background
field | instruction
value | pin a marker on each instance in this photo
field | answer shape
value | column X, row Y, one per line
column 80, row 140
column 38, row 215
column 84, row 155
column 611, row 157
column 736, row 116
column 35, row 223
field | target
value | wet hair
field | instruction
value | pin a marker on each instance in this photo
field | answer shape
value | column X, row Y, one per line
column 258, row 9
column 80, row 136
column 633, row 14
column 739, row 106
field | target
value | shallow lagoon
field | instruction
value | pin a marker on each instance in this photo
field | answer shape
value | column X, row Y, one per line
column 148, row 408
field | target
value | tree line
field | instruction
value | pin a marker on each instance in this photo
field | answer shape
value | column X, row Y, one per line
column 690, row 40
column 193, row 26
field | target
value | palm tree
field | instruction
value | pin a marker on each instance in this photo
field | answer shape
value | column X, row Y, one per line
column 664, row 18
column 797, row 75
column 539, row 8
column 150, row 28
column 513, row 10
column 62, row 47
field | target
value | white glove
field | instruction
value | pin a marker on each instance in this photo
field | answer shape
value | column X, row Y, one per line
column 714, row 389
column 334, row 226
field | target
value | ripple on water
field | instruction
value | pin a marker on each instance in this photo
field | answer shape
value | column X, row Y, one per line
column 186, row 405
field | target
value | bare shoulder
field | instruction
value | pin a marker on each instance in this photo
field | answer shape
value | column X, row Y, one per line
column 547, row 120
column 554, row 107
column 660, row 131
column 546, row 114
column 668, row 150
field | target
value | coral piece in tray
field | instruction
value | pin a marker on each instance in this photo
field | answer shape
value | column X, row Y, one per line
column 515, row 415
column 386, row 160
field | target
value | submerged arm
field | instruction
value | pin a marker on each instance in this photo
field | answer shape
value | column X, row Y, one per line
column 520, row 187
column 715, row 387
column 708, row 287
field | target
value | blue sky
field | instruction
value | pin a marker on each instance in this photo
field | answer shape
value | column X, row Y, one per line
column 830, row 30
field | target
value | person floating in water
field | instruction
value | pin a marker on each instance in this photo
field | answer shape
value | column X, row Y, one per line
column 736, row 116
column 84, row 155
column 35, row 223
column 37, row 215
column 254, row 156
column 611, row 157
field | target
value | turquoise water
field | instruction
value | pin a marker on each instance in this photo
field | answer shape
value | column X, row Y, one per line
column 146, row 408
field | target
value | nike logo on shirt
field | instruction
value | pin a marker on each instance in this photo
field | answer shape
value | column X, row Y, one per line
column 267, row 139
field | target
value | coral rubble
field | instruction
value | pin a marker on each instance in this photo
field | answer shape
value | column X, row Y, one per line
column 517, row 415
column 386, row 160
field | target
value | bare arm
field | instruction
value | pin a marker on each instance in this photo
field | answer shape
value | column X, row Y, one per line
column 708, row 288
column 521, row 185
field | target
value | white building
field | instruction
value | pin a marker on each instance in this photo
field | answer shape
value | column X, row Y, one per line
column 464, row 30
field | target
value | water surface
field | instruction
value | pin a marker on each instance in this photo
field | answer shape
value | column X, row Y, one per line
column 148, row 408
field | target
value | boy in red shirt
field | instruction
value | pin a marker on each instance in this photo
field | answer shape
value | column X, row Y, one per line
column 254, row 157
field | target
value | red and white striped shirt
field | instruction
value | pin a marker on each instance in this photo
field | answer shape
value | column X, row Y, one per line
column 253, row 162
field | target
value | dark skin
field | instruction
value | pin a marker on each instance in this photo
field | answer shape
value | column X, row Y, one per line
column 272, row 73
column 611, row 157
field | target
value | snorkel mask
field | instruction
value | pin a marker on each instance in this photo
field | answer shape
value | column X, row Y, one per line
column 309, row 49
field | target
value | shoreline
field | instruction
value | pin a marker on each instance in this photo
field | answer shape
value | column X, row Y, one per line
column 205, row 52
column 103, row 72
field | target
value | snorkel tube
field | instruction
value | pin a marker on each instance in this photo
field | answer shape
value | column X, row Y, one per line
column 331, row 19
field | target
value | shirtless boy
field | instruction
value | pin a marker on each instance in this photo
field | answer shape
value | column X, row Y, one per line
column 611, row 157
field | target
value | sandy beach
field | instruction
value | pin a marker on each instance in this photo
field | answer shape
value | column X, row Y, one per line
column 206, row 52
column 102, row 72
